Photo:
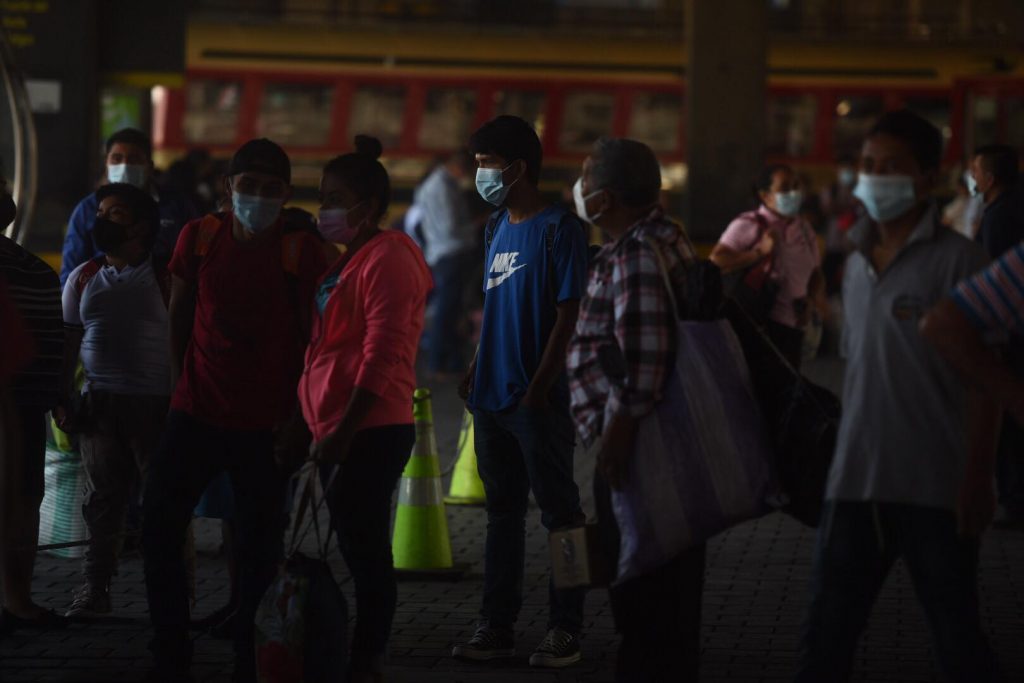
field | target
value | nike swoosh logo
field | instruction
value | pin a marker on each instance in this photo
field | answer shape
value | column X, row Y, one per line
column 495, row 281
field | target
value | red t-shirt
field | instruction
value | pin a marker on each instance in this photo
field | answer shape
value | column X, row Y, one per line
column 243, row 362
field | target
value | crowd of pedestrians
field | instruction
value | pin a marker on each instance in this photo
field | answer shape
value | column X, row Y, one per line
column 186, row 350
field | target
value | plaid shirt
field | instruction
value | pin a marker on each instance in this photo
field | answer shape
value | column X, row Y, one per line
column 624, row 342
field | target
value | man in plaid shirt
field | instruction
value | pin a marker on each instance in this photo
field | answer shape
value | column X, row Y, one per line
column 618, row 359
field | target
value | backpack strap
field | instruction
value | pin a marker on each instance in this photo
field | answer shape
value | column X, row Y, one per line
column 88, row 272
column 550, row 233
column 492, row 228
column 209, row 225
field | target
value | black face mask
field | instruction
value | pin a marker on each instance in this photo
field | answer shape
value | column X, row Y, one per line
column 8, row 210
column 109, row 235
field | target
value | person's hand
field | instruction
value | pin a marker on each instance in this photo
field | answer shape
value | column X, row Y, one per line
column 61, row 416
column 976, row 505
column 616, row 451
column 766, row 245
column 332, row 449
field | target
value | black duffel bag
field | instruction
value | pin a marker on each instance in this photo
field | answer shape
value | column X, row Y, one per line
column 802, row 418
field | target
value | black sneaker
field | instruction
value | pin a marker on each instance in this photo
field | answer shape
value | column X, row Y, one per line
column 487, row 643
column 559, row 648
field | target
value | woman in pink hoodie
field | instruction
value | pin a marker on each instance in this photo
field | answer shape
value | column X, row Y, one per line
column 357, row 387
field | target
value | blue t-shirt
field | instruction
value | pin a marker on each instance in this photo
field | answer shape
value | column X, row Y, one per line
column 519, row 303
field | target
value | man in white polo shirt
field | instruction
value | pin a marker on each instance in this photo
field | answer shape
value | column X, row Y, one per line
column 912, row 475
column 115, row 314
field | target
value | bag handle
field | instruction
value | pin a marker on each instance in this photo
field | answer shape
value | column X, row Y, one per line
column 759, row 329
column 308, row 502
column 663, row 268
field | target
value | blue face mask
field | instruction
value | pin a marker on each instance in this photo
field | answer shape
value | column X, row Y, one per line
column 491, row 185
column 788, row 203
column 256, row 214
column 885, row 197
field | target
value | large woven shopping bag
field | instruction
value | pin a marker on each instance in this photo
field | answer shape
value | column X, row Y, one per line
column 702, row 461
column 301, row 624
column 60, row 513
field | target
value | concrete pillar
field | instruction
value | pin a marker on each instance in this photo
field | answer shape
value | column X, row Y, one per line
column 727, row 43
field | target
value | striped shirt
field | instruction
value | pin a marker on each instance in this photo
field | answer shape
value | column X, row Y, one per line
column 35, row 289
column 994, row 298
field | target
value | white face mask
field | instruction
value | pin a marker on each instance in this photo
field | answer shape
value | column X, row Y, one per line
column 972, row 184
column 885, row 197
column 133, row 174
column 581, row 202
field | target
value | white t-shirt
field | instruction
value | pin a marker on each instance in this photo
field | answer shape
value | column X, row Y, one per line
column 126, row 347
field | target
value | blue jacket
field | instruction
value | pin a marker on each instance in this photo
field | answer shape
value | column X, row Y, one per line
column 175, row 211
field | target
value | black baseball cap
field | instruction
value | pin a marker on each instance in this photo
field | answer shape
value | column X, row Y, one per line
column 261, row 156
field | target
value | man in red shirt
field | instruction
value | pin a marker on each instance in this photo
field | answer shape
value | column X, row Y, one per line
column 241, row 295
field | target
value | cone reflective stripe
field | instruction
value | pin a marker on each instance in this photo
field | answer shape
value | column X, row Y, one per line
column 466, row 488
column 421, row 540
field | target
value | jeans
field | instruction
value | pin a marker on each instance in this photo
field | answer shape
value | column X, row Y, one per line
column 658, row 614
column 191, row 455
column 516, row 452
column 444, row 352
column 360, row 505
column 125, row 433
column 858, row 542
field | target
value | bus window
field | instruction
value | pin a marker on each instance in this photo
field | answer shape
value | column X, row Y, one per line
column 447, row 118
column 790, row 125
column 854, row 115
column 984, row 122
column 587, row 117
column 377, row 110
column 936, row 110
column 528, row 106
column 296, row 113
column 211, row 112
column 656, row 120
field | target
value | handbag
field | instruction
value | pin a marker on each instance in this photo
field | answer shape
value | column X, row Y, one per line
column 802, row 418
column 301, row 623
column 702, row 460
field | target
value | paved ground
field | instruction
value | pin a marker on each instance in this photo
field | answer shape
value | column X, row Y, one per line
column 755, row 596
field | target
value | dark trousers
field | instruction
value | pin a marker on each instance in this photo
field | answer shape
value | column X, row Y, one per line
column 360, row 505
column 123, row 436
column 1010, row 468
column 191, row 455
column 445, row 353
column 516, row 452
column 858, row 542
column 657, row 615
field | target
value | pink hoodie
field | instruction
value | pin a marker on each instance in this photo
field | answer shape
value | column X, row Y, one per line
column 367, row 336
